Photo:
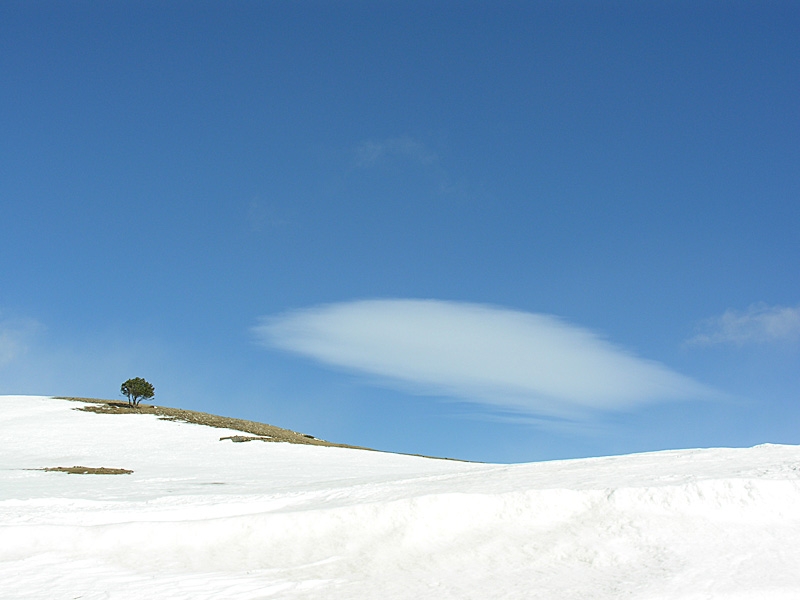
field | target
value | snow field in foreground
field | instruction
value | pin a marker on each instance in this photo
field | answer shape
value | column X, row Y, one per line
column 203, row 518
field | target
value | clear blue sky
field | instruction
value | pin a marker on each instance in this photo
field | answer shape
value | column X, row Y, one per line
column 502, row 231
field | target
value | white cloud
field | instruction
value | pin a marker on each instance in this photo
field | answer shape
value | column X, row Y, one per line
column 9, row 348
column 370, row 152
column 261, row 217
column 15, row 336
column 759, row 323
column 523, row 362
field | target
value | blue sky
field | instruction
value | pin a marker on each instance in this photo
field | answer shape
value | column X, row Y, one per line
column 501, row 231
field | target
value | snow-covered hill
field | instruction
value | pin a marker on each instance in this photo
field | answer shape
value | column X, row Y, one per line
column 200, row 518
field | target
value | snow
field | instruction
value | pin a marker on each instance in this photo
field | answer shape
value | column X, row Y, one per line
column 201, row 518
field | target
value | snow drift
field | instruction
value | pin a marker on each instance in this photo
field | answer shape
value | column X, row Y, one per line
column 203, row 518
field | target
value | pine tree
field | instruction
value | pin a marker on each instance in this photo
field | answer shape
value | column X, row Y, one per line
column 137, row 389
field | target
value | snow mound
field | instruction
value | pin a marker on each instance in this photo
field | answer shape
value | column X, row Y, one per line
column 202, row 518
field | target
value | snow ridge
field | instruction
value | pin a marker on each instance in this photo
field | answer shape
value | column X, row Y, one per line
column 200, row 518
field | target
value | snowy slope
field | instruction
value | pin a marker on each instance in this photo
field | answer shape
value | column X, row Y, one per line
column 203, row 518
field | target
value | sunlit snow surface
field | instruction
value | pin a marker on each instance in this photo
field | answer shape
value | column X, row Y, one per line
column 202, row 518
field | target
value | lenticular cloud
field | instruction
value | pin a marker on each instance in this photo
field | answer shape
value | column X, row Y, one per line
column 511, row 360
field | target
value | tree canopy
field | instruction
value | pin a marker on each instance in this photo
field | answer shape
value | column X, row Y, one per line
column 137, row 389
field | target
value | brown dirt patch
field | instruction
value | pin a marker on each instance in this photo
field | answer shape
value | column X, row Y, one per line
column 263, row 431
column 277, row 434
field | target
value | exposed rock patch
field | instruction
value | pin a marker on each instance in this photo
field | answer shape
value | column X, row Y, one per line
column 248, row 438
column 79, row 470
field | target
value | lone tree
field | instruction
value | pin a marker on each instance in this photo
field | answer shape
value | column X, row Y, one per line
column 137, row 389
